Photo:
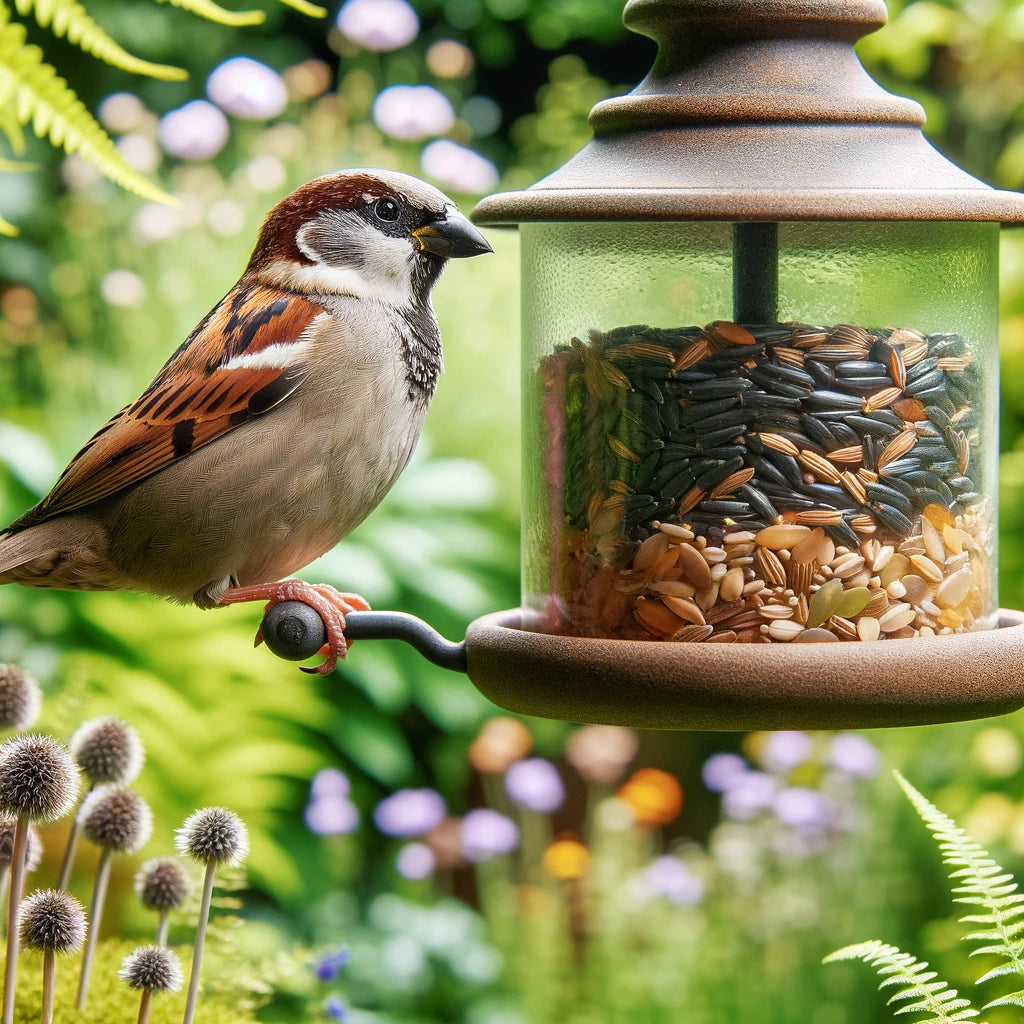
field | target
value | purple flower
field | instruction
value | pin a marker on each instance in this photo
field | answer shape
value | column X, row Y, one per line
column 196, row 131
column 331, row 816
column 484, row 833
column 783, row 751
column 329, row 965
column 854, row 756
column 753, row 792
column 379, row 25
column 334, row 1009
column 671, row 879
column 412, row 112
column 329, row 782
column 722, row 771
column 245, row 88
column 803, row 808
column 536, row 785
column 457, row 167
column 409, row 813
column 415, row 861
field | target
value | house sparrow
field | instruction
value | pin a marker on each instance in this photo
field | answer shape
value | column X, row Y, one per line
column 278, row 425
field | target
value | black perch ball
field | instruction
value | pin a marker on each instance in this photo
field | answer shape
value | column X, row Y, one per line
column 293, row 631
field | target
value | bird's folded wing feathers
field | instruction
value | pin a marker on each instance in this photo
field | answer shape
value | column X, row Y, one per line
column 241, row 361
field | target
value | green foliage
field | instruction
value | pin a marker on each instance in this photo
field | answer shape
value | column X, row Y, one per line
column 111, row 1001
column 982, row 884
column 39, row 97
column 68, row 18
column 915, row 981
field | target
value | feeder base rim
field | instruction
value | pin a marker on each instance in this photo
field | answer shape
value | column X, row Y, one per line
column 745, row 687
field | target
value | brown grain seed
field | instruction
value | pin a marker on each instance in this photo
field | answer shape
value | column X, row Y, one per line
column 843, row 628
column 721, row 612
column 808, row 550
column 692, row 634
column 853, row 486
column 819, row 517
column 614, row 375
column 674, row 588
column 897, row 447
column 686, row 609
column 693, row 497
column 868, row 476
column 650, row 551
column 622, row 450
column 731, row 482
column 952, row 364
column 770, row 567
column 657, row 619
column 820, row 467
column 727, row 636
column 692, row 355
column 878, row 604
column 897, row 368
column 853, row 453
column 782, row 536
column 910, row 409
column 927, row 568
column 730, row 333
column 695, row 569
column 648, row 350
column 789, row 356
column 779, row 444
column 799, row 576
column 863, row 524
column 881, row 399
column 914, row 351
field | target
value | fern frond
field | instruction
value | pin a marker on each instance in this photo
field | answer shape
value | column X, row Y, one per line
column 214, row 12
column 305, row 7
column 917, row 982
column 983, row 884
column 42, row 99
column 69, row 18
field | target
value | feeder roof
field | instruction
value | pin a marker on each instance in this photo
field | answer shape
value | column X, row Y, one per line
column 756, row 110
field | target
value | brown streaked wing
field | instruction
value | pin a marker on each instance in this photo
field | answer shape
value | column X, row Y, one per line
column 188, row 406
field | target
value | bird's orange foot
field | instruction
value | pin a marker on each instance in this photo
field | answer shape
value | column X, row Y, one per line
column 331, row 605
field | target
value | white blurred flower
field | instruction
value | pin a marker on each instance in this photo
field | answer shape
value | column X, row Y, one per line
column 379, row 25
column 196, row 131
column 122, row 288
column 458, row 168
column 412, row 112
column 226, row 218
column 265, row 173
column 77, row 173
column 121, row 112
column 139, row 152
column 155, row 222
column 246, row 88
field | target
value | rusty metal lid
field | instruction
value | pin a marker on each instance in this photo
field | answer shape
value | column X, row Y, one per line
column 756, row 110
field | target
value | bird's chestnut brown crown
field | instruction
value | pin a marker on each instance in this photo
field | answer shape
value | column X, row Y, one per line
column 396, row 205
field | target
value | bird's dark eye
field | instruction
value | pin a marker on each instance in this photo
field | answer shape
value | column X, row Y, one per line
column 386, row 209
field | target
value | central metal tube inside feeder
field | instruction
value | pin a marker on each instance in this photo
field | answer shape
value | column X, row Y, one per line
column 755, row 273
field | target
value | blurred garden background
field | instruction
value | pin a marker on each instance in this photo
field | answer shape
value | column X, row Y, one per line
column 416, row 856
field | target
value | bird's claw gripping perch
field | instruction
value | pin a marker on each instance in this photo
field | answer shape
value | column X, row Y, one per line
column 329, row 605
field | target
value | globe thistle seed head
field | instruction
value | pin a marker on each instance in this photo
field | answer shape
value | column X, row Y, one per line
column 213, row 834
column 20, row 698
column 117, row 819
column 108, row 751
column 52, row 919
column 151, row 969
column 163, row 884
column 38, row 778
column 8, row 826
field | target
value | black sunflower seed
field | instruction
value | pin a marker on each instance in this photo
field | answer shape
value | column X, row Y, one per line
column 862, row 368
column 843, row 533
column 890, row 496
column 758, row 501
column 893, row 518
column 833, row 401
column 867, row 425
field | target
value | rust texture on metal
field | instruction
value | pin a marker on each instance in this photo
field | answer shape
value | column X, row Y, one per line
column 732, row 687
column 756, row 110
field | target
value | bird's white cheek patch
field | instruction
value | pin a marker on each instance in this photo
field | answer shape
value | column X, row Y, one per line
column 364, row 283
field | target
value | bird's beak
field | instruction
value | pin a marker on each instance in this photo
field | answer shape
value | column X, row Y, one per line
column 451, row 236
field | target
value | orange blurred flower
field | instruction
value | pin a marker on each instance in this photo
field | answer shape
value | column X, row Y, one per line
column 566, row 859
column 501, row 742
column 654, row 796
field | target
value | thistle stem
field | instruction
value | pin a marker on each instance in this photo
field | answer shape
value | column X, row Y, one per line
column 197, row 952
column 144, row 1004
column 99, row 897
column 162, row 928
column 49, row 970
column 69, row 852
column 13, row 907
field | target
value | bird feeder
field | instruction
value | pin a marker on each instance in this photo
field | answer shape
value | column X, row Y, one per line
column 760, row 328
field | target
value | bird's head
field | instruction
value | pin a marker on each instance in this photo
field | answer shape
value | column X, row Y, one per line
column 374, row 234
